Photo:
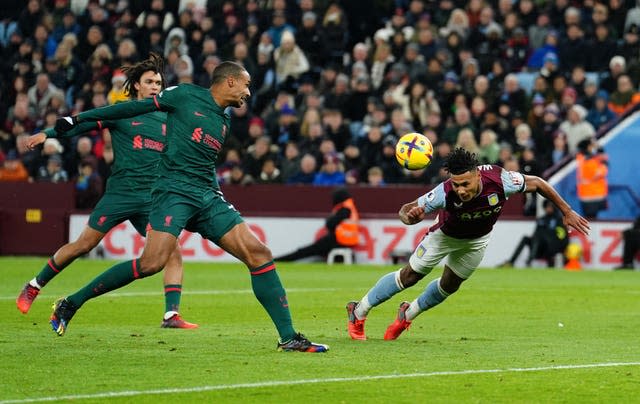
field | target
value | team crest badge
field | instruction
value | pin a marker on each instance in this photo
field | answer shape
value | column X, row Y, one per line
column 493, row 199
column 420, row 251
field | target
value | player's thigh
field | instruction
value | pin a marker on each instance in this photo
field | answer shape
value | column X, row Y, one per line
column 216, row 218
column 430, row 251
column 464, row 260
column 89, row 237
column 113, row 209
column 170, row 212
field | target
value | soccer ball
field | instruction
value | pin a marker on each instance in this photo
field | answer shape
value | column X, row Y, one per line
column 414, row 151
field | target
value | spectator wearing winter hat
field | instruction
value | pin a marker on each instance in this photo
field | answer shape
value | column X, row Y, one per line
column 117, row 92
column 289, row 59
column 256, row 130
column 617, row 67
column 600, row 115
column 576, row 127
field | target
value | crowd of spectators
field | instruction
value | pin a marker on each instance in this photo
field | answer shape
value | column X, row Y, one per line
column 334, row 83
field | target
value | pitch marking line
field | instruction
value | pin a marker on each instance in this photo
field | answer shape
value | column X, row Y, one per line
column 132, row 393
column 193, row 292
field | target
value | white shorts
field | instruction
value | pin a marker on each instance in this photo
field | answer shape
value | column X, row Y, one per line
column 463, row 255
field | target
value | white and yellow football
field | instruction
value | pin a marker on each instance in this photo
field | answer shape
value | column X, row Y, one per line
column 414, row 151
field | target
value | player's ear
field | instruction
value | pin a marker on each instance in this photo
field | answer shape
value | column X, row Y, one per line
column 230, row 81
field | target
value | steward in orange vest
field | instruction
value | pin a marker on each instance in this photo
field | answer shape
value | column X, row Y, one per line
column 342, row 229
column 591, row 178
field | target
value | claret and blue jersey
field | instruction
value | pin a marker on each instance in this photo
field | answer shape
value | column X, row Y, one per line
column 474, row 218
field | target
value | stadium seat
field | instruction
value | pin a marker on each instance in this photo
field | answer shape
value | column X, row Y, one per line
column 345, row 253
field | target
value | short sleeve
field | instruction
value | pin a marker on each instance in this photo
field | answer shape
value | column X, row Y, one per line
column 433, row 200
column 512, row 182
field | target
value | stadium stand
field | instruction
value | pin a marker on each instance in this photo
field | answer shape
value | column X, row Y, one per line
column 329, row 77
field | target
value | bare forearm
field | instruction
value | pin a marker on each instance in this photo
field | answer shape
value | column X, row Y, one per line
column 542, row 187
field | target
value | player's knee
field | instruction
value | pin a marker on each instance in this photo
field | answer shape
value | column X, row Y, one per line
column 258, row 255
column 449, row 281
column 409, row 277
column 152, row 265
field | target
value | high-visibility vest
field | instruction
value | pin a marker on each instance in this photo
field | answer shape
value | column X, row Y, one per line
column 347, row 230
column 592, row 177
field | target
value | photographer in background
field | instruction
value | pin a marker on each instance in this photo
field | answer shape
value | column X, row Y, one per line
column 549, row 238
column 631, row 244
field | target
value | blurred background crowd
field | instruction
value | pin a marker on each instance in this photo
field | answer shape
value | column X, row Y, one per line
column 334, row 83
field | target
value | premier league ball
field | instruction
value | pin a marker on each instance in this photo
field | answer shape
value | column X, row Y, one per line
column 414, row 151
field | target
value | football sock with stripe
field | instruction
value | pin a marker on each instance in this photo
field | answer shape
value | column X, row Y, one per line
column 113, row 278
column 270, row 293
column 432, row 296
column 48, row 272
column 172, row 294
column 383, row 290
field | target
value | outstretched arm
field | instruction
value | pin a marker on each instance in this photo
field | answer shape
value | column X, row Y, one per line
column 120, row 110
column 570, row 217
column 39, row 138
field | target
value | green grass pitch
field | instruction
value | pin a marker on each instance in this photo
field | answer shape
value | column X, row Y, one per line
column 508, row 335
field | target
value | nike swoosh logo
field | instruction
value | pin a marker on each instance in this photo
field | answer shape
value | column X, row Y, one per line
column 198, row 114
column 457, row 205
column 136, row 123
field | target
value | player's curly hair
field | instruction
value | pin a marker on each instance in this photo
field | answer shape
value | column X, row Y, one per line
column 459, row 161
column 154, row 63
